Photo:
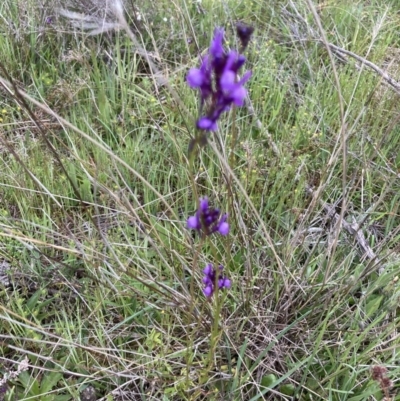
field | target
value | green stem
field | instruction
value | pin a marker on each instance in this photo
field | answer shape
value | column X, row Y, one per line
column 215, row 335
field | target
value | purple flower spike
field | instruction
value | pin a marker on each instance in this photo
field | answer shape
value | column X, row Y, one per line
column 244, row 33
column 208, row 220
column 210, row 280
column 217, row 79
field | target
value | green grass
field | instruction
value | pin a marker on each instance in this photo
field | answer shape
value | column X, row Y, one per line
column 107, row 280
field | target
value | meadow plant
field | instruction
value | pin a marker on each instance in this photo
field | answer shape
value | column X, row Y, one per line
column 220, row 88
column 321, row 323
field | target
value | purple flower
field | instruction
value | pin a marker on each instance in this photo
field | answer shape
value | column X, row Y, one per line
column 208, row 220
column 210, row 280
column 218, row 82
column 244, row 33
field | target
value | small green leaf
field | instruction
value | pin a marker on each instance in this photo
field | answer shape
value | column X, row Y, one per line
column 268, row 380
column 287, row 389
column 373, row 304
column 31, row 303
column 49, row 381
column 30, row 384
column 62, row 397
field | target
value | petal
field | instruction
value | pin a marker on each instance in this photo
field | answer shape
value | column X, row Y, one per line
column 239, row 63
column 208, row 270
column 231, row 60
column 195, row 78
column 205, row 65
column 227, row 283
column 223, row 228
column 216, row 46
column 206, row 124
column 227, row 81
column 205, row 68
column 247, row 75
column 238, row 95
column 193, row 223
column 203, row 204
column 224, row 217
column 208, row 291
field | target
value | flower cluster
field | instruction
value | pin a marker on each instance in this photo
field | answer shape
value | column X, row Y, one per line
column 217, row 80
column 244, row 33
column 208, row 220
column 211, row 280
column 379, row 374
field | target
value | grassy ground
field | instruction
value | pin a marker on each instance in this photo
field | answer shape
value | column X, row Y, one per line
column 105, row 296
